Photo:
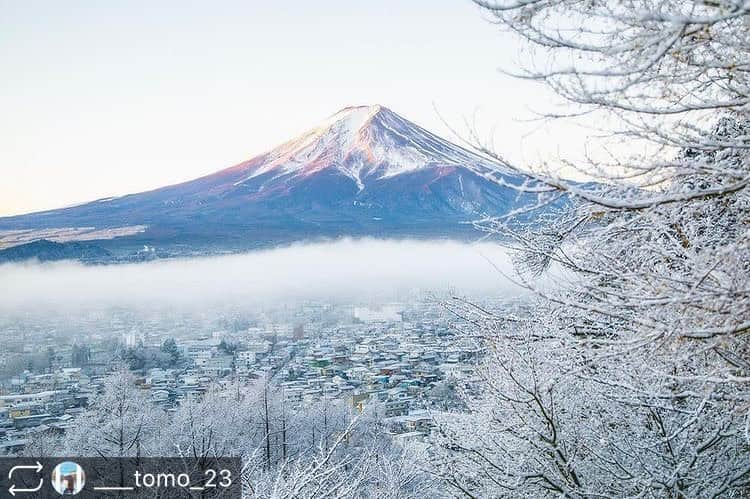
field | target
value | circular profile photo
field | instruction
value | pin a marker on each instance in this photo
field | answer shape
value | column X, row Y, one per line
column 68, row 478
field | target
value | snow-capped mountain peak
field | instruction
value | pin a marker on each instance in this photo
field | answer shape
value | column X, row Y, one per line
column 363, row 142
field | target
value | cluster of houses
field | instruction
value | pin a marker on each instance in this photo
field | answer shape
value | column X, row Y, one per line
column 393, row 366
column 41, row 402
column 390, row 360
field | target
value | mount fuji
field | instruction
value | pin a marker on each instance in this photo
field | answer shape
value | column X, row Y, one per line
column 365, row 171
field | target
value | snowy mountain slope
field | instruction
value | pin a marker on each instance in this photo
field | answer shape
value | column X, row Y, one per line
column 363, row 171
column 364, row 142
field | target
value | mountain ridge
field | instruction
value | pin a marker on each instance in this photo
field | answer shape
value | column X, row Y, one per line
column 365, row 171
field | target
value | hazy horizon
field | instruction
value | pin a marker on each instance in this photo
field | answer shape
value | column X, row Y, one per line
column 348, row 268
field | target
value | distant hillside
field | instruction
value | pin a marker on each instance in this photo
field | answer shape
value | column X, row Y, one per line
column 46, row 251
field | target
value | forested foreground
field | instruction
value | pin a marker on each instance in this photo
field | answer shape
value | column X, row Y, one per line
column 631, row 376
column 324, row 450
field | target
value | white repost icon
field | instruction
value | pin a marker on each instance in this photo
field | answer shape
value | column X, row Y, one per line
column 36, row 467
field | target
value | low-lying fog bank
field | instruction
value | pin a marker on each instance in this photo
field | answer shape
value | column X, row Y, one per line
column 345, row 269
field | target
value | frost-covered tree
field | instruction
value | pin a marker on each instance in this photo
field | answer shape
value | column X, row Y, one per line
column 119, row 423
column 630, row 376
column 554, row 418
column 219, row 424
column 351, row 467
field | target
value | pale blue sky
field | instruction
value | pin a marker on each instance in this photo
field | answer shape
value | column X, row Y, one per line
column 107, row 98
